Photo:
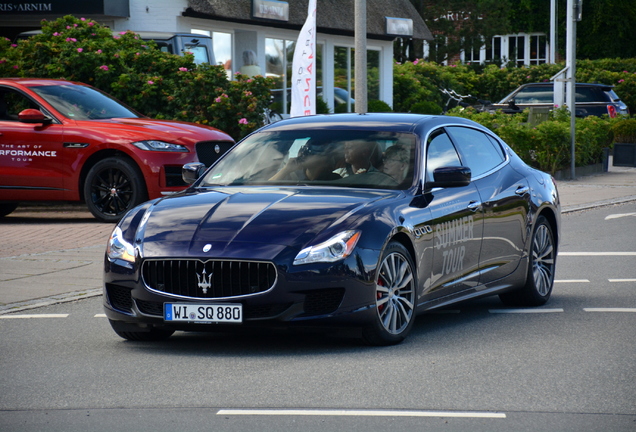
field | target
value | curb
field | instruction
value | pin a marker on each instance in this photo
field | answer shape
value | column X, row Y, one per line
column 571, row 209
column 48, row 301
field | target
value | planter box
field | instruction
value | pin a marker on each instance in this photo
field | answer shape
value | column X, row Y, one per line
column 624, row 154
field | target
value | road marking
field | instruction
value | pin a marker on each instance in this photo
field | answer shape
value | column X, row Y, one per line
column 525, row 311
column 359, row 413
column 597, row 253
column 100, row 316
column 619, row 215
column 571, row 281
column 609, row 309
column 23, row 316
column 622, row 280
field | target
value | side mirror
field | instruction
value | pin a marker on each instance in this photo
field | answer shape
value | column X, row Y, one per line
column 454, row 176
column 31, row 115
column 190, row 172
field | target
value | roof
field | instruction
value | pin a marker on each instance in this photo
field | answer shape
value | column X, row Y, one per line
column 333, row 16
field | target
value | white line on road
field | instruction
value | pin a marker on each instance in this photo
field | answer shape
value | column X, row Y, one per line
column 571, row 281
column 34, row 316
column 359, row 413
column 622, row 280
column 609, row 309
column 619, row 215
column 100, row 316
column 597, row 253
column 525, row 311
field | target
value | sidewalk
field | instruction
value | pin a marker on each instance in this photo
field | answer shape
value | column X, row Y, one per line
column 55, row 254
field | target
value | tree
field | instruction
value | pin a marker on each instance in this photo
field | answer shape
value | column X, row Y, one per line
column 459, row 25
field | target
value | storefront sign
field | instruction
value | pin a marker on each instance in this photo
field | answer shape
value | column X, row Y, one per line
column 270, row 9
column 116, row 8
column 399, row 26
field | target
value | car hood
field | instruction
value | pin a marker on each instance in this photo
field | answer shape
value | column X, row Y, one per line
column 168, row 130
column 235, row 222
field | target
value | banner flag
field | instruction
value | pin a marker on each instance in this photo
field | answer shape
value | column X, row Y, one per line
column 303, row 75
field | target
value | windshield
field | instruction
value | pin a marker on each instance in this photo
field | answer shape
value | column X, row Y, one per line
column 382, row 160
column 83, row 103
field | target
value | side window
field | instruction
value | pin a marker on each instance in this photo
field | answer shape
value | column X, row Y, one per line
column 532, row 95
column 479, row 152
column 440, row 152
column 12, row 103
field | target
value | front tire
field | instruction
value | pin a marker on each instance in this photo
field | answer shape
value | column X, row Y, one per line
column 113, row 186
column 542, row 264
column 7, row 208
column 395, row 298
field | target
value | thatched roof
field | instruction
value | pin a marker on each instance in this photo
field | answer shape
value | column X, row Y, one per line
column 333, row 16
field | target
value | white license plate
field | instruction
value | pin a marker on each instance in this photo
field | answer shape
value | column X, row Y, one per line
column 203, row 313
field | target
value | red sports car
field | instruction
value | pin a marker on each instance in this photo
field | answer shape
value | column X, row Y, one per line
column 67, row 141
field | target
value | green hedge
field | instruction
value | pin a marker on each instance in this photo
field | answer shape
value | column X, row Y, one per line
column 155, row 83
column 420, row 81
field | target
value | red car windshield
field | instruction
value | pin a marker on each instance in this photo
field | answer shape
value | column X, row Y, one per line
column 83, row 103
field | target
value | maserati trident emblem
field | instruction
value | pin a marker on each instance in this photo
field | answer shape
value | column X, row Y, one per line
column 204, row 283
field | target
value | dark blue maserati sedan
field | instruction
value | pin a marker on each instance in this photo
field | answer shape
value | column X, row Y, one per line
column 337, row 221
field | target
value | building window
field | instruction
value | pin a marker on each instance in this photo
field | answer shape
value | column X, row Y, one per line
column 222, row 43
column 344, row 77
column 517, row 49
column 493, row 50
column 538, row 45
column 279, row 57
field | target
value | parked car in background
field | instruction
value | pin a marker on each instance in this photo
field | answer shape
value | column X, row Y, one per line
column 332, row 221
column 67, row 141
column 591, row 99
column 175, row 43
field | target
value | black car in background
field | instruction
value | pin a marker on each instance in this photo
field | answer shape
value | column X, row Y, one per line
column 332, row 221
column 591, row 99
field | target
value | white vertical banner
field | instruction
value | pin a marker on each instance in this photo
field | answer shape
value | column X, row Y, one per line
column 303, row 79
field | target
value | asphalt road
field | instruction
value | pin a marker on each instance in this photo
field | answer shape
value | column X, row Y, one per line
column 569, row 366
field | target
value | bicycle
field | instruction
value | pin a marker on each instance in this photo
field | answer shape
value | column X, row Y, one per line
column 269, row 115
column 459, row 99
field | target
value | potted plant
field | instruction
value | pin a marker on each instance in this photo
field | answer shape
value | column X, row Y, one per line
column 624, row 143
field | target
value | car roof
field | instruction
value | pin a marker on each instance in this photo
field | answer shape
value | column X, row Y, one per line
column 38, row 81
column 550, row 84
column 393, row 122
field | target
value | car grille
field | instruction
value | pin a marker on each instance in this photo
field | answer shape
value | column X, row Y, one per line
column 209, row 151
column 210, row 279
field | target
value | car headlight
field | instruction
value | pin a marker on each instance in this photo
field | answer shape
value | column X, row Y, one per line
column 119, row 248
column 336, row 248
column 154, row 145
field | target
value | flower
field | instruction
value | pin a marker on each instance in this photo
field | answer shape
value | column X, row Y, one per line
column 151, row 82
column 103, row 67
column 243, row 121
column 80, row 49
column 82, row 19
column 56, row 34
column 136, row 53
column 13, row 45
column 68, row 27
column 91, row 24
column 122, row 33
column 416, row 61
column 217, row 100
column 116, row 37
column 621, row 80
column 16, row 67
column 99, row 51
column 182, row 69
column 248, row 93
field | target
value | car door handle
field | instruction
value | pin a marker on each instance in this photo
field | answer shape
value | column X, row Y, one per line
column 474, row 205
column 522, row 190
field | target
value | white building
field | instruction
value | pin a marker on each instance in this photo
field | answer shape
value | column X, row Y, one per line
column 267, row 27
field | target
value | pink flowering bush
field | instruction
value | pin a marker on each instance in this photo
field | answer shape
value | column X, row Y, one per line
column 155, row 83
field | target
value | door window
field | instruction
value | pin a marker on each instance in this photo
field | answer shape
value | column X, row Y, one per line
column 479, row 152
